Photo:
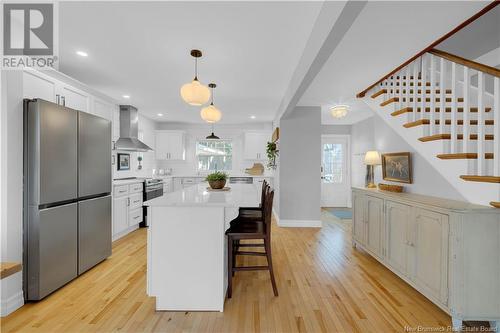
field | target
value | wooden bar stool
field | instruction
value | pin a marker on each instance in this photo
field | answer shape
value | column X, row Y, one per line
column 259, row 229
column 252, row 214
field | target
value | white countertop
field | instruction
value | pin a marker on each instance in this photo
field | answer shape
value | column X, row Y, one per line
column 119, row 182
column 240, row 195
column 203, row 176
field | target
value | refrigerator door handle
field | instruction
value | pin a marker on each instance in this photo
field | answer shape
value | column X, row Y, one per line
column 63, row 100
column 58, row 99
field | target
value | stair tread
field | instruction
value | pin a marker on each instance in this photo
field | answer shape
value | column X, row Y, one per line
column 460, row 122
column 378, row 93
column 389, row 101
column 484, row 179
column 472, row 109
column 495, row 204
column 459, row 156
column 447, row 136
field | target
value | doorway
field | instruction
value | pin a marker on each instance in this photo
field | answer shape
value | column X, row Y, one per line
column 335, row 171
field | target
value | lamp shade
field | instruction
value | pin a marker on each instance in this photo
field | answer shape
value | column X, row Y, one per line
column 210, row 114
column 195, row 93
column 339, row 111
column 372, row 157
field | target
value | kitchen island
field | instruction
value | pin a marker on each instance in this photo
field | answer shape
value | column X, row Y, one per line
column 187, row 252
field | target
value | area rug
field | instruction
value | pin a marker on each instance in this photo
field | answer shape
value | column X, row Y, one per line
column 340, row 213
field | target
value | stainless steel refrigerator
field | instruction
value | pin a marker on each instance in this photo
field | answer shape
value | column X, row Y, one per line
column 67, row 195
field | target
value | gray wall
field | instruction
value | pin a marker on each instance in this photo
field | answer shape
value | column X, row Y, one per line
column 375, row 134
column 336, row 129
column 300, row 160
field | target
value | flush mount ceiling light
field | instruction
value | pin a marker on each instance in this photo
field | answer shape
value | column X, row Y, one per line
column 252, row 117
column 160, row 114
column 210, row 113
column 195, row 93
column 339, row 111
column 126, row 96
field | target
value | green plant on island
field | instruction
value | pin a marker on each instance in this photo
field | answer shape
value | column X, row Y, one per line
column 215, row 176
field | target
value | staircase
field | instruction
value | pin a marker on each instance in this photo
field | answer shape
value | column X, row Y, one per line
column 447, row 108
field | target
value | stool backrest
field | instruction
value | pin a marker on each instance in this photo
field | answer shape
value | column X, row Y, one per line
column 265, row 185
column 267, row 211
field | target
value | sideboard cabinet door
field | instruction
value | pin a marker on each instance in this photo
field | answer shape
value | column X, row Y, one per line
column 358, row 231
column 374, row 224
column 397, row 225
column 429, row 242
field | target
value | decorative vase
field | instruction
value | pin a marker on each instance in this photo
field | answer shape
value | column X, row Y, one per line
column 217, row 184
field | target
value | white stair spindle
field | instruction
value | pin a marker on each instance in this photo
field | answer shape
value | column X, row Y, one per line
column 480, row 124
column 422, row 87
column 496, row 126
column 433, row 96
column 442, row 95
column 415, row 91
column 454, row 115
column 407, row 90
column 400, row 94
column 465, row 117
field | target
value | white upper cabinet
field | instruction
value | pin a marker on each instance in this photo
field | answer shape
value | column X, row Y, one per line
column 74, row 98
column 170, row 145
column 254, row 145
column 37, row 85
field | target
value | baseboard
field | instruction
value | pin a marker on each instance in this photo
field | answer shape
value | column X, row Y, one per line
column 11, row 304
column 124, row 232
column 276, row 217
column 300, row 223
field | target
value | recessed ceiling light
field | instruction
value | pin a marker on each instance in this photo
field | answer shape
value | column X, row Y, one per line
column 82, row 54
column 252, row 117
column 160, row 114
column 126, row 96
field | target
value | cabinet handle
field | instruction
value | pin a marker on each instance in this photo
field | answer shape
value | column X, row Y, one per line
column 58, row 99
column 63, row 100
column 128, row 201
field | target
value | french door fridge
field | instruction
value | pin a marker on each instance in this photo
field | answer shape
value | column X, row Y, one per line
column 67, row 200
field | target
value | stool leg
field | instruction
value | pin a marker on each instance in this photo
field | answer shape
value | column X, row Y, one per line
column 235, row 249
column 270, row 264
column 230, row 267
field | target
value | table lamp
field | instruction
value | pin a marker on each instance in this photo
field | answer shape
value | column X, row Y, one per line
column 372, row 158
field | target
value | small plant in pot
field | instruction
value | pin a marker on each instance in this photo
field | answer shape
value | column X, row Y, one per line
column 217, row 180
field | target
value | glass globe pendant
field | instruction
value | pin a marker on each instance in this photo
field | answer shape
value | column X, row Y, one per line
column 210, row 113
column 195, row 93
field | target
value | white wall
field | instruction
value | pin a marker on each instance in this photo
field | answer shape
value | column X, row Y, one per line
column 299, row 168
column 11, row 203
column 195, row 132
column 375, row 134
column 336, row 129
column 147, row 129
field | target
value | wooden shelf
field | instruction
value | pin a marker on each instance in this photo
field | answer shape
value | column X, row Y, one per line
column 9, row 268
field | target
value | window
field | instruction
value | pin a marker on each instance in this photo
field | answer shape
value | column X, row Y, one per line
column 333, row 163
column 214, row 155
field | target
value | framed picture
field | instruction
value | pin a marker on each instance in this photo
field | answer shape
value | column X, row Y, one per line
column 123, row 161
column 396, row 167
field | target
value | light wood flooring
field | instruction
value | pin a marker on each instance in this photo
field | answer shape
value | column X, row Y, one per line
column 325, row 286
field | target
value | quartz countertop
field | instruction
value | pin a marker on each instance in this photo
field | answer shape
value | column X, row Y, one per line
column 240, row 195
column 118, row 182
column 203, row 176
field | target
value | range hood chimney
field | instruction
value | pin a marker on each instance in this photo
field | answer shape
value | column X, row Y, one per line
column 129, row 130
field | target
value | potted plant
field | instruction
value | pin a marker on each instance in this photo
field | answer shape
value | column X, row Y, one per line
column 272, row 152
column 217, row 180
column 139, row 159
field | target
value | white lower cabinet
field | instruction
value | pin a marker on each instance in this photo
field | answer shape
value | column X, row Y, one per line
column 442, row 248
column 127, row 208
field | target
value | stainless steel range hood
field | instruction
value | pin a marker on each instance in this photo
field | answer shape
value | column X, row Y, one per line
column 129, row 130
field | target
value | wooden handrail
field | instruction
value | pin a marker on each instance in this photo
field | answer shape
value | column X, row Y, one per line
column 469, row 63
column 434, row 44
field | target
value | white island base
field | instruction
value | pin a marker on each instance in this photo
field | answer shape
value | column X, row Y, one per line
column 187, row 253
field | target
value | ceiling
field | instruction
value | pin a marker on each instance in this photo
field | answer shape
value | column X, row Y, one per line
column 384, row 35
column 142, row 49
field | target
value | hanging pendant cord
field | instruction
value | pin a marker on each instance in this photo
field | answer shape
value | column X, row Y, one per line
column 196, row 68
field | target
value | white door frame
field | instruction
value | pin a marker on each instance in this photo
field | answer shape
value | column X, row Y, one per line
column 348, row 160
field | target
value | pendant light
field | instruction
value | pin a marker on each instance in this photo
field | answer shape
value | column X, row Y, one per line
column 339, row 111
column 195, row 93
column 210, row 113
column 212, row 136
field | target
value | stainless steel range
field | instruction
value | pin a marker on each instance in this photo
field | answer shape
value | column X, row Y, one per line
column 153, row 188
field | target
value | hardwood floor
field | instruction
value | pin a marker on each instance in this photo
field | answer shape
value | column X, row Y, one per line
column 325, row 286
